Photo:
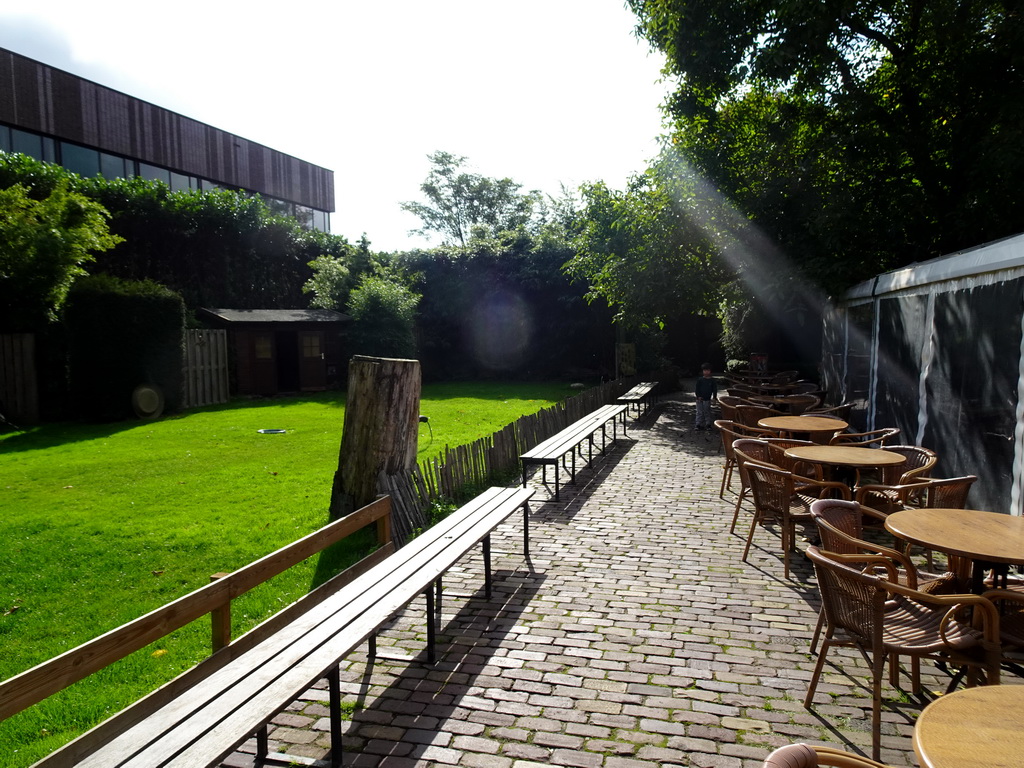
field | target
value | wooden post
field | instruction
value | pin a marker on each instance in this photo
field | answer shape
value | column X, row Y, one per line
column 381, row 429
column 220, row 620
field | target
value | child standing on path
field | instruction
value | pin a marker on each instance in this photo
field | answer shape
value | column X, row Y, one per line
column 706, row 390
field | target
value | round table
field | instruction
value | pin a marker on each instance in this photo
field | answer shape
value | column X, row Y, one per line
column 815, row 426
column 972, row 728
column 845, row 455
column 989, row 539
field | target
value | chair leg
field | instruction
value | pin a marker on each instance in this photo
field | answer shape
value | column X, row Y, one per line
column 818, row 666
column 736, row 509
column 817, row 630
column 750, row 536
column 878, row 669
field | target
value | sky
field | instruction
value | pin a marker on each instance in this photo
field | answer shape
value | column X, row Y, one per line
column 549, row 93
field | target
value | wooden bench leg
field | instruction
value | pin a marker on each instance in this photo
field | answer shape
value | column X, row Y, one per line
column 334, row 688
column 262, row 744
column 431, row 628
column 487, row 565
column 371, row 651
column 526, row 531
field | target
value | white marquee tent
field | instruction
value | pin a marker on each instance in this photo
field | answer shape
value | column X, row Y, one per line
column 936, row 349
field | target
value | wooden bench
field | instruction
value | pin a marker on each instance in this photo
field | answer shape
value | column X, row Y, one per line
column 570, row 441
column 202, row 716
column 641, row 396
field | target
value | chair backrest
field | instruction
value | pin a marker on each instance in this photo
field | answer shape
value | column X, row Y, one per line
column 831, row 515
column 842, row 411
column 751, row 449
column 919, row 462
column 751, row 414
column 949, row 492
column 798, row 404
column 771, row 488
column 778, row 447
column 877, row 437
column 806, row 756
column 852, row 600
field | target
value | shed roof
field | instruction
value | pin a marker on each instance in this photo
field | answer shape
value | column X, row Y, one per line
column 323, row 316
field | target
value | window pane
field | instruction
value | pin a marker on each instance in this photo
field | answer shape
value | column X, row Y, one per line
column 311, row 345
column 264, row 347
column 179, row 182
column 5, row 139
column 112, row 166
column 153, row 173
column 27, row 143
column 80, row 160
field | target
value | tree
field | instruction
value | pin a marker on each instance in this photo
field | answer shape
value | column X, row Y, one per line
column 383, row 314
column 652, row 249
column 44, row 244
column 904, row 119
column 460, row 204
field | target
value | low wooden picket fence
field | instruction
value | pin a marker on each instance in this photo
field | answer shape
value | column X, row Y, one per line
column 487, row 460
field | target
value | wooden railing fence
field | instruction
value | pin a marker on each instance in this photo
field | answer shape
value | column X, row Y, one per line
column 36, row 684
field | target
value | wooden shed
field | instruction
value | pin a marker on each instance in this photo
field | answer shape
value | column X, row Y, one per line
column 282, row 350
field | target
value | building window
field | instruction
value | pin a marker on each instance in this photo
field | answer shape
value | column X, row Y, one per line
column 264, row 345
column 5, row 139
column 112, row 166
column 311, row 345
column 81, row 160
column 33, row 145
column 153, row 173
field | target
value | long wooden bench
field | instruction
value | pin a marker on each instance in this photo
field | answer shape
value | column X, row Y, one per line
column 570, row 441
column 202, row 716
column 641, row 396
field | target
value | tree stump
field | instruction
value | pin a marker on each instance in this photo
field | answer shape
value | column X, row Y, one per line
column 381, row 429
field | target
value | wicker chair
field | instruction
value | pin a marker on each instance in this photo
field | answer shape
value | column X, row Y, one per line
column 746, row 450
column 730, row 431
column 876, row 437
column 751, row 414
column 1010, row 604
column 934, row 492
column 786, row 498
column 883, row 618
column 842, row 411
column 797, row 404
column 778, row 447
column 806, row 756
column 841, row 529
column 728, row 405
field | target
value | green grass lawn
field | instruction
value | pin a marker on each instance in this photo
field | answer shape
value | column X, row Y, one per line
column 102, row 523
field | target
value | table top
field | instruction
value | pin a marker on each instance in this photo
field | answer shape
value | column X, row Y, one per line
column 803, row 424
column 988, row 536
column 845, row 455
column 972, row 728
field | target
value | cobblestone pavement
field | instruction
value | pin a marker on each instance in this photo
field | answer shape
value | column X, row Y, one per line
column 633, row 638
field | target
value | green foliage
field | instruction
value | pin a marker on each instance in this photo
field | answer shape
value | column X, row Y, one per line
column 44, row 242
column 217, row 249
column 383, row 314
column 859, row 137
column 502, row 306
column 329, row 283
column 652, row 249
column 122, row 334
column 463, row 205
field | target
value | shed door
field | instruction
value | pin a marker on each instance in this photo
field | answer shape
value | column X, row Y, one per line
column 312, row 365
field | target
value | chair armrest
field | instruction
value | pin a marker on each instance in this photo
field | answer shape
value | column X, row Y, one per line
column 902, row 492
column 824, row 485
column 874, row 561
column 984, row 614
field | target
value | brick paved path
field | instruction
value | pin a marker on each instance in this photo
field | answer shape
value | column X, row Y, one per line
column 634, row 638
